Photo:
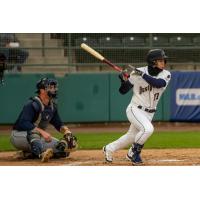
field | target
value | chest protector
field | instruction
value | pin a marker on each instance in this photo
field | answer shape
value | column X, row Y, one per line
column 45, row 113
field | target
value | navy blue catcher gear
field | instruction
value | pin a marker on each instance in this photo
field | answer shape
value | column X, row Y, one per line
column 155, row 54
column 46, row 83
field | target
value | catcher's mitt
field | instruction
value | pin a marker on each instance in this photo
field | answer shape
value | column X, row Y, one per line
column 68, row 143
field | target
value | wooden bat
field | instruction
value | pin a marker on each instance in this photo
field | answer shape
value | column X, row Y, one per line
column 101, row 58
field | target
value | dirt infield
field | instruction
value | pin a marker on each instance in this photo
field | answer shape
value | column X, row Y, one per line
column 151, row 157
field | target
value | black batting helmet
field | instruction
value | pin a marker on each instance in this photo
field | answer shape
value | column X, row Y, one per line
column 155, row 54
column 44, row 83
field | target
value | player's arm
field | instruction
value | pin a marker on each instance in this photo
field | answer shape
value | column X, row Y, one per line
column 69, row 141
column 58, row 124
column 155, row 82
column 25, row 122
column 27, row 117
column 56, row 121
column 125, row 84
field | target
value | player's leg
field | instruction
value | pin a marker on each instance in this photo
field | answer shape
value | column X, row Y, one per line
column 120, row 143
column 57, row 152
column 123, row 141
column 37, row 147
column 142, row 121
column 20, row 142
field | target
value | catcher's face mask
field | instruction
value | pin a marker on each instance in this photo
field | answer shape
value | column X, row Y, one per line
column 52, row 88
column 49, row 85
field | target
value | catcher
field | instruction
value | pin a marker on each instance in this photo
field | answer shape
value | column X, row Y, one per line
column 29, row 131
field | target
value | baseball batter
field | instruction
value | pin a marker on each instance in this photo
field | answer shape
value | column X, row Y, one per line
column 148, row 84
column 29, row 131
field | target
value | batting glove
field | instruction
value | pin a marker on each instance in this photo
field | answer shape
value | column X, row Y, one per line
column 137, row 72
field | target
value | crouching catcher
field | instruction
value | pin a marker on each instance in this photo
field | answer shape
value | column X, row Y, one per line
column 29, row 133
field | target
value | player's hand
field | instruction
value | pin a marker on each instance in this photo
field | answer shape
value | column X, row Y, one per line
column 124, row 75
column 137, row 72
column 46, row 136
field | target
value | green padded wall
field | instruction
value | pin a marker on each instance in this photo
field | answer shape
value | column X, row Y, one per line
column 84, row 98
column 17, row 89
column 166, row 104
column 117, row 101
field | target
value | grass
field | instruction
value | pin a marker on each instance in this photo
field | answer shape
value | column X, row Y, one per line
column 159, row 140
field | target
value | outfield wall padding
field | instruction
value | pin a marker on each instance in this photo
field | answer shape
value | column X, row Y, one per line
column 83, row 97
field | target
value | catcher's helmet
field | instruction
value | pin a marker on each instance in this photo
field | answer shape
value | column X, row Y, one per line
column 45, row 84
column 155, row 54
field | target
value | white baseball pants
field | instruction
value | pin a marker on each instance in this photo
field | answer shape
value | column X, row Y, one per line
column 140, row 129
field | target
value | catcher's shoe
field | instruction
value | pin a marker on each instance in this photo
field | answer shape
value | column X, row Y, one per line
column 46, row 155
column 107, row 154
column 23, row 155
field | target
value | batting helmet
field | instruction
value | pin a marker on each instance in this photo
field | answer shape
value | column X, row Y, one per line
column 155, row 54
column 45, row 83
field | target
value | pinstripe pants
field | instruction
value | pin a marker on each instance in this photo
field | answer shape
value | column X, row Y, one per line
column 140, row 130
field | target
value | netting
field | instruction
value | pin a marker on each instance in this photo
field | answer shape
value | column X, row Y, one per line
column 63, row 49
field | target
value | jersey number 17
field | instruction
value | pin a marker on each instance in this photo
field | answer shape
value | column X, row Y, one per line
column 156, row 95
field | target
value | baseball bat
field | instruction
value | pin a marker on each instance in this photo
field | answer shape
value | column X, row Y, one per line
column 101, row 58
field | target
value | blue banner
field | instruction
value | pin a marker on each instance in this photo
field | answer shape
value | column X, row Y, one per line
column 185, row 96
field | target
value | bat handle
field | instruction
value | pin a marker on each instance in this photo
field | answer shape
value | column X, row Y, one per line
column 119, row 69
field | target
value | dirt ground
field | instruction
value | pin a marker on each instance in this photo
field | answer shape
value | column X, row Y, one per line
column 151, row 157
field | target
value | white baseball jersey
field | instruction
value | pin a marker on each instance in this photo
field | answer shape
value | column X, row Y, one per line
column 143, row 93
column 147, row 96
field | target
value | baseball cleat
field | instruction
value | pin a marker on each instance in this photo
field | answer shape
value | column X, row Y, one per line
column 108, row 155
column 136, row 160
column 46, row 155
column 23, row 155
column 136, row 149
column 129, row 155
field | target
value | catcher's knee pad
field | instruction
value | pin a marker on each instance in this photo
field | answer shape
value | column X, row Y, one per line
column 36, row 144
column 36, row 147
column 61, row 146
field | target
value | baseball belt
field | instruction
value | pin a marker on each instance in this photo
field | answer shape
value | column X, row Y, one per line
column 146, row 109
